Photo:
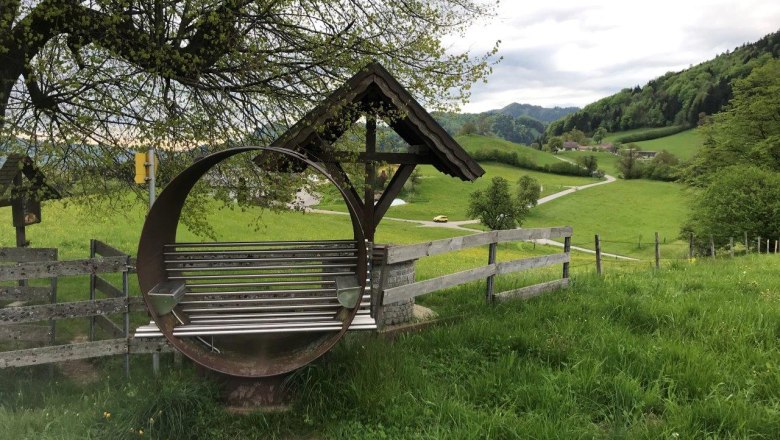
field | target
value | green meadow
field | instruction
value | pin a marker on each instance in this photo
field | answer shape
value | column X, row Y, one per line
column 475, row 142
column 690, row 351
column 683, row 145
column 606, row 161
column 440, row 194
column 627, row 213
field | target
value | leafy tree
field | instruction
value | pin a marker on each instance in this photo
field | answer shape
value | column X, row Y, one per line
column 575, row 135
column 554, row 144
column 629, row 164
column 494, row 206
column 599, row 135
column 468, row 128
column 748, row 132
column 80, row 82
column 483, row 124
column 739, row 199
column 504, row 126
column 664, row 166
column 528, row 192
column 589, row 162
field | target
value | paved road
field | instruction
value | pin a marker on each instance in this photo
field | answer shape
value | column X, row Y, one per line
column 460, row 225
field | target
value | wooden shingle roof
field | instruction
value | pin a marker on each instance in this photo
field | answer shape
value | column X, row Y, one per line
column 374, row 90
column 11, row 166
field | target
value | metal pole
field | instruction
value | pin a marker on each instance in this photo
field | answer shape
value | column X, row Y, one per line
column 152, row 183
column 598, row 255
column 657, row 252
column 490, row 279
column 152, row 194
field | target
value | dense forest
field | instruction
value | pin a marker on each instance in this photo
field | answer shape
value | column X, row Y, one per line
column 520, row 123
column 676, row 98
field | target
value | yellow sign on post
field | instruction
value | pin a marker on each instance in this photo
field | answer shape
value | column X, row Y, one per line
column 142, row 167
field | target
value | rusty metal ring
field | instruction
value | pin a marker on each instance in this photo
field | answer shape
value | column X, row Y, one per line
column 160, row 229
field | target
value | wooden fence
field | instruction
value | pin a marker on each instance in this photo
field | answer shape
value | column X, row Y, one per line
column 398, row 254
column 37, row 264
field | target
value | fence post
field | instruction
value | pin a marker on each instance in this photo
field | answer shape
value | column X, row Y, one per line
column 690, row 247
column 92, row 289
column 566, row 249
column 657, row 252
column 126, row 292
column 491, row 278
column 598, row 255
column 758, row 243
column 731, row 247
column 767, row 247
column 712, row 246
column 53, row 300
column 747, row 244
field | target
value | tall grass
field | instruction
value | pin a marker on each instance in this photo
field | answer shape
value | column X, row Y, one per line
column 690, row 351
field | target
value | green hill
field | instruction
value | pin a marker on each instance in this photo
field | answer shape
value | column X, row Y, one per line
column 676, row 98
column 683, row 145
column 474, row 142
column 539, row 113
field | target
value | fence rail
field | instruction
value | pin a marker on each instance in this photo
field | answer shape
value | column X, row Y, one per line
column 399, row 254
column 27, row 263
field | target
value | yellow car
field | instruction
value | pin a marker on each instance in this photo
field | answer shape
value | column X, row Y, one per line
column 441, row 219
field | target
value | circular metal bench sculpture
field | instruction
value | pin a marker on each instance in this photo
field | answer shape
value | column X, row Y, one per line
column 251, row 309
column 260, row 310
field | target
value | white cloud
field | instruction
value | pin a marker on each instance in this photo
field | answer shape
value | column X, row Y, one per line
column 573, row 52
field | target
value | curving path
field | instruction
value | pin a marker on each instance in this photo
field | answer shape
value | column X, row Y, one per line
column 459, row 225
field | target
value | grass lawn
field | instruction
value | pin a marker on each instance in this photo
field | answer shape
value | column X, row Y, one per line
column 440, row 194
column 606, row 161
column 612, row 137
column 475, row 142
column 690, row 351
column 683, row 145
column 626, row 214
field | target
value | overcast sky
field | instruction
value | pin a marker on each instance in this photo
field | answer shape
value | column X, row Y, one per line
column 573, row 52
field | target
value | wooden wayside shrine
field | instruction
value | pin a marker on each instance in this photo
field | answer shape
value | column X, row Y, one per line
column 373, row 94
column 23, row 187
column 263, row 309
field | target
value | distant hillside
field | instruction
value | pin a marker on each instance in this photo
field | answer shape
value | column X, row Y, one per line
column 542, row 114
column 520, row 123
column 676, row 98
